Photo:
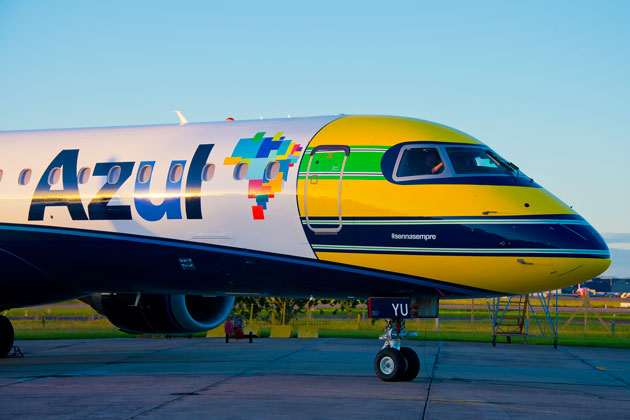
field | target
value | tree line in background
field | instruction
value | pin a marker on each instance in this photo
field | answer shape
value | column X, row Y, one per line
column 268, row 308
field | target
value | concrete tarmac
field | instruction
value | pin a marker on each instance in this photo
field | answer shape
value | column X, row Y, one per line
column 308, row 379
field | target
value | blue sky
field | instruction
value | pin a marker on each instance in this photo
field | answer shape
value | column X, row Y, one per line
column 545, row 83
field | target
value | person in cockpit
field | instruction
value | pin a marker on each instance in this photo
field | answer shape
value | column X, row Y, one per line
column 433, row 162
column 420, row 161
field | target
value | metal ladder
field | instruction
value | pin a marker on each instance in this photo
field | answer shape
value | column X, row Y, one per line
column 510, row 325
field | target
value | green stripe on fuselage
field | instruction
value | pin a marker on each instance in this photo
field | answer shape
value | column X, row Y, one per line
column 358, row 161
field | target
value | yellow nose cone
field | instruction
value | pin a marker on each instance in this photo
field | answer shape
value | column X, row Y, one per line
column 572, row 271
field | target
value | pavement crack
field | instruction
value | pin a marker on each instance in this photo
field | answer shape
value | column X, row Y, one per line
column 426, row 401
column 300, row 349
column 135, row 356
column 217, row 383
column 547, row 386
column 186, row 394
column 623, row 381
column 29, row 352
column 31, row 379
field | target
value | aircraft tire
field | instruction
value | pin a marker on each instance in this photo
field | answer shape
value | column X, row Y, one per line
column 413, row 364
column 6, row 336
column 389, row 365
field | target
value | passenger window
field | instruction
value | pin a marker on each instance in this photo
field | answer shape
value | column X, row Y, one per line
column 240, row 171
column 419, row 161
column 25, row 176
column 113, row 175
column 84, row 175
column 175, row 174
column 272, row 170
column 53, row 176
column 207, row 172
column 144, row 174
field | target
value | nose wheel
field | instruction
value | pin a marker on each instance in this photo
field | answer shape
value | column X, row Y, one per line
column 390, row 364
column 6, row 336
column 413, row 364
column 393, row 365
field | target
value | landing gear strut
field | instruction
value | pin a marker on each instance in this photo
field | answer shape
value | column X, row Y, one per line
column 6, row 336
column 393, row 362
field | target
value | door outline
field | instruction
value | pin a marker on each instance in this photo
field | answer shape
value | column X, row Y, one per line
column 317, row 149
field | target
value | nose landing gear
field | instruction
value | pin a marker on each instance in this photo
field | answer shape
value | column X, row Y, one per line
column 6, row 336
column 393, row 362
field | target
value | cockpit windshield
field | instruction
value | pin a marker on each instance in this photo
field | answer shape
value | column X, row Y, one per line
column 476, row 160
column 432, row 162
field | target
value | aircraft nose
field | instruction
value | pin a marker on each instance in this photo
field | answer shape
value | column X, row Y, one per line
column 580, row 252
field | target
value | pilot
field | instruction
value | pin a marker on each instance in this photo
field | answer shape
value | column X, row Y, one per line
column 433, row 161
column 420, row 161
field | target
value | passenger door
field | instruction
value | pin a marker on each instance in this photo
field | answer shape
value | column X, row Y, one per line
column 322, row 188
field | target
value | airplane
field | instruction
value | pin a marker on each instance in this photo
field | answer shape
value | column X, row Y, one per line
column 160, row 227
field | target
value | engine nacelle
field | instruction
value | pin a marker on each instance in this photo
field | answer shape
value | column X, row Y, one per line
column 162, row 314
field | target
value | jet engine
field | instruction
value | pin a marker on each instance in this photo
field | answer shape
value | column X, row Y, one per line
column 162, row 314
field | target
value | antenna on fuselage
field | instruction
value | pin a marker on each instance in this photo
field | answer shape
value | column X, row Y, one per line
column 182, row 119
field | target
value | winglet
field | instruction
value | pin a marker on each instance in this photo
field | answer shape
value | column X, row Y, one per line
column 182, row 119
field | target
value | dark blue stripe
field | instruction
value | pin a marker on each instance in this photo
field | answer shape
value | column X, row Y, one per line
column 470, row 236
column 469, row 254
column 49, row 250
column 485, row 218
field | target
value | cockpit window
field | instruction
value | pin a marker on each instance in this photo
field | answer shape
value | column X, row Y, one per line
column 419, row 161
column 475, row 160
column 432, row 162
